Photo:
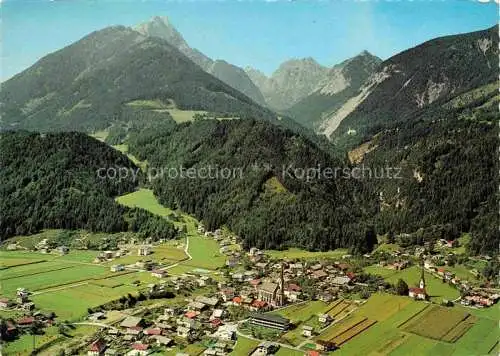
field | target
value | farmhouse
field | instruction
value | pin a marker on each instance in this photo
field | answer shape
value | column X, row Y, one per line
column 131, row 322
column 4, row 303
column 143, row 250
column 185, row 333
column 273, row 321
column 208, row 301
column 292, row 292
column 25, row 322
column 307, row 331
column 341, row 281
column 324, row 318
column 139, row 349
column 63, row 250
column 162, row 340
column 108, row 255
column 159, row 273
column 117, row 268
column 96, row 348
column 28, row 306
column 319, row 274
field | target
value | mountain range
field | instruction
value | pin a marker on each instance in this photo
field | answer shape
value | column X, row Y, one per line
column 430, row 111
column 116, row 75
column 412, row 81
column 337, row 86
column 160, row 26
column 293, row 80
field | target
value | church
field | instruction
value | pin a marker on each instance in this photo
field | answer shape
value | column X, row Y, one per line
column 273, row 293
column 419, row 292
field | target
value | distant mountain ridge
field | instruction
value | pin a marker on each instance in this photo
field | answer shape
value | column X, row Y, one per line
column 160, row 26
column 97, row 82
column 412, row 80
column 340, row 83
column 292, row 81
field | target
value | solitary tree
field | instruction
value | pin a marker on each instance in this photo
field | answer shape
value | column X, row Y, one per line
column 402, row 287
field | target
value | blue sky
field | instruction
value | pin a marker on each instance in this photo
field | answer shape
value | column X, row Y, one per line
column 261, row 34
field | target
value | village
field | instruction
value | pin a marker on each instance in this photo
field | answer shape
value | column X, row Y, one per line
column 245, row 299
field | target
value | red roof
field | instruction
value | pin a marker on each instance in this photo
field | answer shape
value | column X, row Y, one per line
column 259, row 304
column 216, row 322
column 191, row 314
column 255, row 282
column 152, row 331
column 97, row 346
column 343, row 266
column 10, row 326
column 138, row 328
column 417, row 290
column 140, row 347
column 350, row 275
column 313, row 353
column 441, row 270
column 294, row 287
column 25, row 321
column 237, row 300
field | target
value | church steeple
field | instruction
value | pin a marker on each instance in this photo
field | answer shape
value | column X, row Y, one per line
column 282, row 285
column 422, row 277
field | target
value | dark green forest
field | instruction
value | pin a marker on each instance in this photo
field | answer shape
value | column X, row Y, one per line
column 51, row 181
column 267, row 208
column 452, row 149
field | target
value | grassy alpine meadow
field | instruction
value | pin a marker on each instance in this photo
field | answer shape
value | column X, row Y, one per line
column 145, row 199
column 53, row 278
column 373, row 326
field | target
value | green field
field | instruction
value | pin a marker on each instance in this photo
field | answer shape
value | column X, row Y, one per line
column 50, row 343
column 72, row 303
column 439, row 322
column 436, row 289
column 304, row 314
column 296, row 253
column 244, row 346
column 389, row 337
column 67, row 273
column 145, row 199
column 204, row 251
column 123, row 148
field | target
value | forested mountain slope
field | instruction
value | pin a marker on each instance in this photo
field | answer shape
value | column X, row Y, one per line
column 98, row 80
column 408, row 83
column 265, row 200
column 53, row 181
column 448, row 155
